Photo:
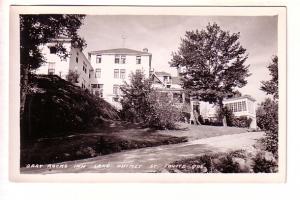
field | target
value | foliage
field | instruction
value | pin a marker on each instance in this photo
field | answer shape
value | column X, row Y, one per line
column 214, row 61
column 271, row 86
column 239, row 161
column 56, row 106
column 267, row 112
column 73, row 76
column 264, row 162
column 164, row 114
column 231, row 162
column 227, row 113
column 242, row 122
column 136, row 98
column 267, row 120
column 36, row 30
column 141, row 103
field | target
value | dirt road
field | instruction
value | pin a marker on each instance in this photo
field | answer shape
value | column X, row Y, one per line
column 152, row 159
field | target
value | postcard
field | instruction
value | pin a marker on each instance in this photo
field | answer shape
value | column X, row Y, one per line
column 147, row 94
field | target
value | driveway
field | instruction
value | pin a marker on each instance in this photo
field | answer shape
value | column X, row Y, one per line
column 152, row 159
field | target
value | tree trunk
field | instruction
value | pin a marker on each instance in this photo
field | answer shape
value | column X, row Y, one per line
column 224, row 121
column 24, row 88
column 23, row 94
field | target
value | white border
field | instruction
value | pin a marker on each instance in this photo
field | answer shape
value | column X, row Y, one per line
column 136, row 177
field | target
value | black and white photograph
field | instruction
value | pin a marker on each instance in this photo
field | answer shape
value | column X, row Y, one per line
column 165, row 91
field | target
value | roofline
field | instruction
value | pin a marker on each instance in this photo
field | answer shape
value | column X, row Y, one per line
column 242, row 97
column 98, row 52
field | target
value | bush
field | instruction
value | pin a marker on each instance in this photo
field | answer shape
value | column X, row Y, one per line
column 163, row 114
column 238, row 161
column 267, row 120
column 72, row 77
column 55, row 107
column 242, row 122
column 141, row 103
column 265, row 162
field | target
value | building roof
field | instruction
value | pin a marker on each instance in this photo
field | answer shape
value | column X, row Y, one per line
column 162, row 74
column 242, row 97
column 120, row 51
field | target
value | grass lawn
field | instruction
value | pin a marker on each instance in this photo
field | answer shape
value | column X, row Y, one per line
column 194, row 132
column 115, row 136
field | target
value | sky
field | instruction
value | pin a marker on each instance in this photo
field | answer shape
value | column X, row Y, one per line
column 162, row 36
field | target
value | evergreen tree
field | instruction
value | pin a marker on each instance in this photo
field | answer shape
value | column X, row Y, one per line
column 214, row 62
column 271, row 86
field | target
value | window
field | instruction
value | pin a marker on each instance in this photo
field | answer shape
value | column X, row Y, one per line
column 98, row 58
column 123, row 59
column 234, row 107
column 98, row 73
column 239, row 107
column 76, row 59
column 116, row 73
column 53, row 50
column 120, row 59
column 115, row 89
column 138, row 60
column 117, row 59
column 84, row 67
column 51, row 68
column 244, row 105
column 100, row 90
column 122, row 73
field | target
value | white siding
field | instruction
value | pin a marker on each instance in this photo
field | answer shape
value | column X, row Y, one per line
column 108, row 66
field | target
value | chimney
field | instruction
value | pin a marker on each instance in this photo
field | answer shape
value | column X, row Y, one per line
column 145, row 50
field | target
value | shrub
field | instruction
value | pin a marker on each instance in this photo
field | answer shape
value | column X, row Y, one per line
column 141, row 103
column 265, row 162
column 72, row 76
column 267, row 120
column 56, row 107
column 163, row 114
column 239, row 161
column 242, row 122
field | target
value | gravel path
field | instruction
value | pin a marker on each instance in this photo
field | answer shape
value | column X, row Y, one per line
column 151, row 159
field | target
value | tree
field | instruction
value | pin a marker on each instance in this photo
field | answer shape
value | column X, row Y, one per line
column 215, row 64
column 135, row 97
column 267, row 112
column 141, row 103
column 36, row 30
column 271, row 86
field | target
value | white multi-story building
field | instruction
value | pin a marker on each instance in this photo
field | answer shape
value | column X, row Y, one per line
column 76, row 61
column 113, row 67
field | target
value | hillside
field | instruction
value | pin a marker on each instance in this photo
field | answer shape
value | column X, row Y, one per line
column 54, row 107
